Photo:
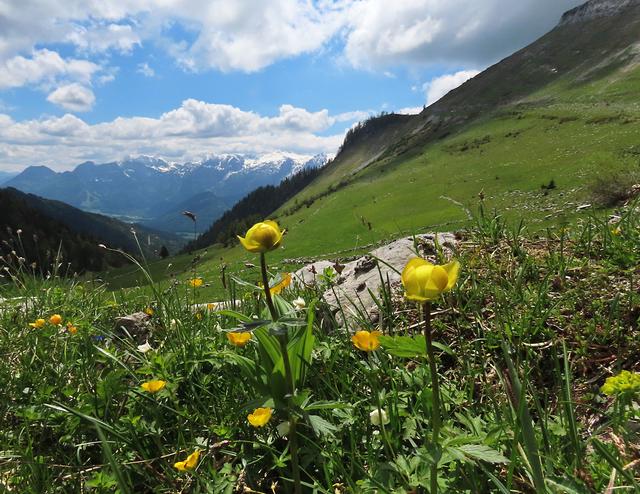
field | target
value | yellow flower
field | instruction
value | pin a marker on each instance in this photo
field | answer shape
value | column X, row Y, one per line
column 38, row 323
column 148, row 311
column 425, row 281
column 239, row 338
column 188, row 464
column 625, row 382
column 196, row 282
column 55, row 319
column 71, row 328
column 616, row 232
column 260, row 417
column 365, row 341
column 153, row 386
column 262, row 237
column 286, row 281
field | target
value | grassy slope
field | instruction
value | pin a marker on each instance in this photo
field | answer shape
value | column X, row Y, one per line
column 570, row 127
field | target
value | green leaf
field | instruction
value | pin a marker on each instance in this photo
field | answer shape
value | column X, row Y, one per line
column 410, row 346
column 325, row 405
column 404, row 346
column 321, row 426
column 236, row 315
column 482, row 452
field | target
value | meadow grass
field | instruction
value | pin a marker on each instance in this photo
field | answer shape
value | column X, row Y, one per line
column 524, row 341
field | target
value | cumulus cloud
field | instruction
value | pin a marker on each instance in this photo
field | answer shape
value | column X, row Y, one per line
column 73, row 97
column 193, row 130
column 459, row 32
column 44, row 67
column 99, row 37
column 248, row 35
column 438, row 87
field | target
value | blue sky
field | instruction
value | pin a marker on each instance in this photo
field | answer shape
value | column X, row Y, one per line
column 184, row 79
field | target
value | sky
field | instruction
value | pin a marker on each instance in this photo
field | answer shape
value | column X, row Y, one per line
column 183, row 80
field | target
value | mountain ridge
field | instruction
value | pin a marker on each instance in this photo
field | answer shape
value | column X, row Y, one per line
column 146, row 189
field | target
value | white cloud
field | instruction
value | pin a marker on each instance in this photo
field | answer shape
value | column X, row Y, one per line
column 457, row 32
column 97, row 37
column 145, row 70
column 248, row 35
column 73, row 97
column 193, row 130
column 410, row 110
column 44, row 67
column 438, row 87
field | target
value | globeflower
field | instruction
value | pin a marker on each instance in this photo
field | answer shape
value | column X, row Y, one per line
column 424, row 281
column 196, row 282
column 284, row 283
column 260, row 416
column 625, row 382
column 38, row 323
column 188, row 464
column 153, row 386
column 148, row 311
column 262, row 237
column 71, row 328
column 55, row 319
column 366, row 341
column 239, row 338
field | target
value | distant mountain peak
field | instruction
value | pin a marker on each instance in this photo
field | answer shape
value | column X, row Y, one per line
column 594, row 9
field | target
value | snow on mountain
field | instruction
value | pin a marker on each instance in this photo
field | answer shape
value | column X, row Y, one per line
column 146, row 186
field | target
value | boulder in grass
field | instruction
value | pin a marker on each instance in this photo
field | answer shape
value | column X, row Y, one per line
column 361, row 279
column 136, row 326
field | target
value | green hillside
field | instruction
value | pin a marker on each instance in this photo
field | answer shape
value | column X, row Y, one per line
column 562, row 111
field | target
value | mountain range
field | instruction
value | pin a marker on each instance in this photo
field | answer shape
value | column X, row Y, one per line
column 154, row 192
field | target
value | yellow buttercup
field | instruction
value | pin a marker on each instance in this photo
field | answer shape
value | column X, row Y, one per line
column 262, row 237
column 424, row 281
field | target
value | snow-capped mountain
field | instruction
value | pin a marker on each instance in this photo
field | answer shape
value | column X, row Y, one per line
column 148, row 188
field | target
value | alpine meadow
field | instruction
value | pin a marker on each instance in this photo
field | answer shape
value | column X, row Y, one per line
column 237, row 297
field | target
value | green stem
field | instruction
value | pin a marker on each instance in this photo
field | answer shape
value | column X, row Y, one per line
column 435, row 409
column 283, row 340
column 265, row 286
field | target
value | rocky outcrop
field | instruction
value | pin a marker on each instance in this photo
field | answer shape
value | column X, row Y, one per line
column 595, row 9
column 360, row 280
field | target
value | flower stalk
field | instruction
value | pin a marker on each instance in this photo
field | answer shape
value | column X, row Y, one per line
column 283, row 340
column 435, row 386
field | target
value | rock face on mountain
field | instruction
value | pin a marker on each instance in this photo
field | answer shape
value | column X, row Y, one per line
column 352, row 297
column 150, row 190
column 596, row 8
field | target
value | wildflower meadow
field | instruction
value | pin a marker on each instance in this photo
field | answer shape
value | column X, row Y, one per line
column 508, row 365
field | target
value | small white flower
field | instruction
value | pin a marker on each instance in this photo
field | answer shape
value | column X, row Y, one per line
column 375, row 416
column 299, row 303
column 283, row 428
column 145, row 347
